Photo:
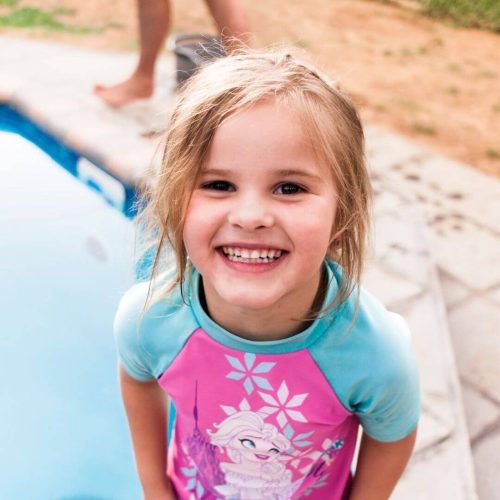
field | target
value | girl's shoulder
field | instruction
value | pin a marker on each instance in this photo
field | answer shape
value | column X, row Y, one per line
column 368, row 358
column 363, row 319
column 150, row 329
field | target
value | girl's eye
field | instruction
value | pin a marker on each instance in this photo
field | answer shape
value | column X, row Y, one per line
column 247, row 443
column 289, row 188
column 275, row 451
column 218, row 186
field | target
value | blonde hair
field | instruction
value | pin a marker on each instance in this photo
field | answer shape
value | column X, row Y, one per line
column 229, row 85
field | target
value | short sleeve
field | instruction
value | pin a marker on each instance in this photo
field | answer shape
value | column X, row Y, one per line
column 389, row 405
column 127, row 332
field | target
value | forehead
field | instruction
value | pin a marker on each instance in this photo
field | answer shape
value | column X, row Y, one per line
column 267, row 134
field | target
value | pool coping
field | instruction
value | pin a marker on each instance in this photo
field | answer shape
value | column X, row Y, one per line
column 45, row 132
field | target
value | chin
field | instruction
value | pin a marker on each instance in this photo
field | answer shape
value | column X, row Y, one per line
column 255, row 302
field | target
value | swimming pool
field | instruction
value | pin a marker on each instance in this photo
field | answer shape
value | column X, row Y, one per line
column 66, row 249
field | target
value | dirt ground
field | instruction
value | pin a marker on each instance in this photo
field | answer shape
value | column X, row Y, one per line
column 424, row 79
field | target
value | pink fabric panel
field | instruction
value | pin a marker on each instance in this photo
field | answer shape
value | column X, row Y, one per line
column 256, row 425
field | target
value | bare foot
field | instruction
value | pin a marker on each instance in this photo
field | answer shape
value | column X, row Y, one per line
column 136, row 87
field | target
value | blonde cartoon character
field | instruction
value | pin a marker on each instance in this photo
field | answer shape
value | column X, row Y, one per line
column 255, row 448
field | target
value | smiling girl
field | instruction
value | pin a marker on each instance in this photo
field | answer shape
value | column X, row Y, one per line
column 253, row 308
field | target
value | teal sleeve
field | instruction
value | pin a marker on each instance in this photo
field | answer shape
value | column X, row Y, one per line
column 149, row 338
column 372, row 369
column 127, row 331
column 388, row 406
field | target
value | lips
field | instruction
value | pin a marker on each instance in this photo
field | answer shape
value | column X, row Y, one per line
column 261, row 457
column 251, row 255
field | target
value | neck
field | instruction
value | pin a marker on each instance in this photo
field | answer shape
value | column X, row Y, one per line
column 283, row 320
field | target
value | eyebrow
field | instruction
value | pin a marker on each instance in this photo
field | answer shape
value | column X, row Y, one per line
column 282, row 172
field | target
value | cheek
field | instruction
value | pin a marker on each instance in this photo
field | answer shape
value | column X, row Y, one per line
column 196, row 225
column 315, row 225
column 315, row 237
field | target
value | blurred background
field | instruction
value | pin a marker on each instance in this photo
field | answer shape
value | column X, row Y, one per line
column 410, row 65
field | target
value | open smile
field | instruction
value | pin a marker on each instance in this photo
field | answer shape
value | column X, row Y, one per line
column 261, row 457
column 251, row 255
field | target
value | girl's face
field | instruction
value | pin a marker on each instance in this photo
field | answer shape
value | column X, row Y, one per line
column 255, row 448
column 260, row 219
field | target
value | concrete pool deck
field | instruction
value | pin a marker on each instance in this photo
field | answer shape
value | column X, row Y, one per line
column 436, row 257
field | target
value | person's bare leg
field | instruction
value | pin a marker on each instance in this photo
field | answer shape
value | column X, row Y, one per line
column 154, row 23
column 231, row 20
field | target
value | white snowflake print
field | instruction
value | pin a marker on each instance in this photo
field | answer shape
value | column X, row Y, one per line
column 297, row 440
column 191, row 473
column 249, row 373
column 193, row 484
column 283, row 405
column 231, row 410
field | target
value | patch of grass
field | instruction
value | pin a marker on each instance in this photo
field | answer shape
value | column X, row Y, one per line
column 406, row 52
column 302, row 44
column 493, row 153
column 132, row 44
column 487, row 74
column 115, row 25
column 469, row 13
column 454, row 68
column 408, row 105
column 31, row 17
column 175, row 29
column 422, row 128
column 9, row 3
column 64, row 11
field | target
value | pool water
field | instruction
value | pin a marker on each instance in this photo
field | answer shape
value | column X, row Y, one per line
column 66, row 258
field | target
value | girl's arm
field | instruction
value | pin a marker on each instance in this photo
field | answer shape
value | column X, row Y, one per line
column 380, row 466
column 146, row 408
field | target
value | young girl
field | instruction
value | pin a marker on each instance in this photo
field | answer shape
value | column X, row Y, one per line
column 270, row 352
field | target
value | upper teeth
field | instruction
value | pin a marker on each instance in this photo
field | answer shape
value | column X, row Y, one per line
column 247, row 253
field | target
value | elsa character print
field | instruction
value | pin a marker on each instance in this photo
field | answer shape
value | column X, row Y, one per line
column 255, row 448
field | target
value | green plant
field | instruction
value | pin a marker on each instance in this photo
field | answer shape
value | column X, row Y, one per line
column 469, row 13
column 9, row 3
column 302, row 44
column 29, row 17
column 32, row 17
column 487, row 73
column 493, row 153
column 408, row 105
column 454, row 68
column 453, row 90
column 64, row 11
column 422, row 128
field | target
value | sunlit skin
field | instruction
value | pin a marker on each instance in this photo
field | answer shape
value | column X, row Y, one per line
column 263, row 190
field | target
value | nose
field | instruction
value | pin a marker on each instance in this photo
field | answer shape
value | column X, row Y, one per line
column 251, row 212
